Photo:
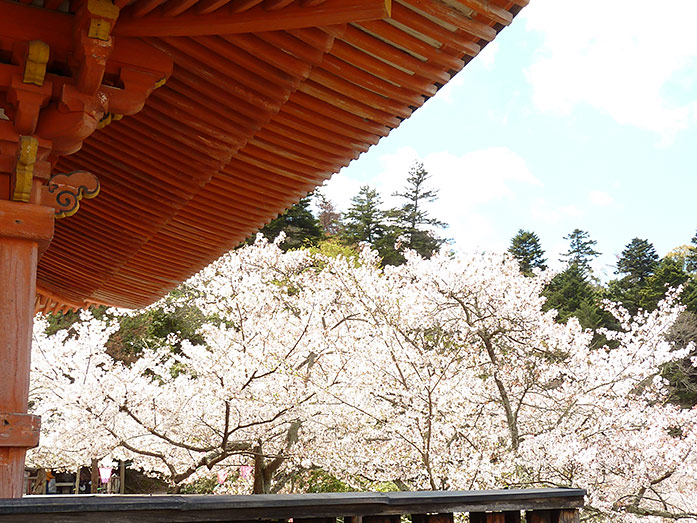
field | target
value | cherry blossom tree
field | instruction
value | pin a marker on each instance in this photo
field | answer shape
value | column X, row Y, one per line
column 439, row 374
column 241, row 398
column 464, row 382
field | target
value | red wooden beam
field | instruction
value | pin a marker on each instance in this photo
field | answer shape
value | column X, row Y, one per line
column 23, row 23
column 256, row 19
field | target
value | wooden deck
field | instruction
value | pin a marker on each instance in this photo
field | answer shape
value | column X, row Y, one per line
column 492, row 506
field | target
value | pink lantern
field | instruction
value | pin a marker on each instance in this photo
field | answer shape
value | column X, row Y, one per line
column 246, row 471
column 222, row 476
column 104, row 474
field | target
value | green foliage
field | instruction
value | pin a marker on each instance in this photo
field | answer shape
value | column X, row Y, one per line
column 573, row 295
column 626, row 292
column 333, row 248
column 318, row 480
column 669, row 274
column 58, row 321
column 389, row 232
column 567, row 291
column 152, row 327
column 525, row 247
column 638, row 261
column 204, row 485
column 691, row 258
column 301, row 227
column 682, row 375
column 411, row 222
column 365, row 220
column 148, row 328
column 581, row 250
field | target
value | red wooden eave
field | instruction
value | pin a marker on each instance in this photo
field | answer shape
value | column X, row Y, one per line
column 267, row 99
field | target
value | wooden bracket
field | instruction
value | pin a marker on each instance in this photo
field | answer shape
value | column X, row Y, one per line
column 94, row 43
column 27, row 88
column 63, row 192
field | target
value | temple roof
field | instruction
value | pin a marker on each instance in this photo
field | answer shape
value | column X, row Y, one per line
column 246, row 125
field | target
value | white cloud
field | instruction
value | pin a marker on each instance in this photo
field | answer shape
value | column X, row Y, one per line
column 628, row 58
column 340, row 189
column 445, row 93
column 488, row 55
column 550, row 212
column 600, row 198
column 486, row 58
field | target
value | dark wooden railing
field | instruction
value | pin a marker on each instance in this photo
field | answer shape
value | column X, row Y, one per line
column 492, row 506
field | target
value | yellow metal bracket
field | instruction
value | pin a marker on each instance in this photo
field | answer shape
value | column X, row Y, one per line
column 103, row 14
column 35, row 65
column 24, row 170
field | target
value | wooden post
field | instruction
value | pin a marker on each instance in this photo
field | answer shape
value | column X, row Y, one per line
column 569, row 516
column 122, row 477
column 512, row 516
column 432, row 518
column 25, row 229
column 541, row 516
column 94, row 477
column 487, row 517
column 382, row 519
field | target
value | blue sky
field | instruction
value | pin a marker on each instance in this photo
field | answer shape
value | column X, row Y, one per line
column 579, row 115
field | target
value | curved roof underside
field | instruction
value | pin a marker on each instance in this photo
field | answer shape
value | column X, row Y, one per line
column 246, row 126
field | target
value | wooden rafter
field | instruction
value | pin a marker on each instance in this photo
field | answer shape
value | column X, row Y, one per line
column 256, row 19
column 247, row 124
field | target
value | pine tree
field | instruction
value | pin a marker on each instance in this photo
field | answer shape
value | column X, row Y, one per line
column 365, row 220
column 525, row 247
column 638, row 261
column 300, row 225
column 581, row 250
column 411, row 222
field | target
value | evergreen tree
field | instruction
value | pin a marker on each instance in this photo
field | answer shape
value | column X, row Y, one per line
column 365, row 220
column 581, row 250
column 625, row 292
column 411, row 222
column 669, row 274
column 146, row 328
column 525, row 247
column 300, row 225
column 572, row 294
column 569, row 292
column 638, row 261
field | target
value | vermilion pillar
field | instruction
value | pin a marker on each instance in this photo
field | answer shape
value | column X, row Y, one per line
column 62, row 77
column 25, row 229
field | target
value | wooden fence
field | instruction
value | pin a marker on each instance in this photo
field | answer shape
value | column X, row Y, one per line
column 492, row 506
